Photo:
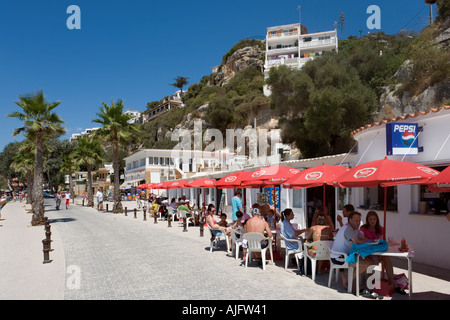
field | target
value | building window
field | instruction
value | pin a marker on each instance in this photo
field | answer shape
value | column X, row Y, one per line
column 297, row 201
column 142, row 163
column 374, row 198
column 434, row 202
column 156, row 160
column 150, row 160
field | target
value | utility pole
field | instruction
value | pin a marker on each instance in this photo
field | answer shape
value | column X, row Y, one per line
column 430, row 3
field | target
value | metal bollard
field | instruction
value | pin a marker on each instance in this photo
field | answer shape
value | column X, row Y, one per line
column 126, row 210
column 145, row 217
column 201, row 229
column 184, row 225
column 169, row 220
column 155, row 217
column 82, row 204
column 107, row 207
column 46, row 250
column 135, row 213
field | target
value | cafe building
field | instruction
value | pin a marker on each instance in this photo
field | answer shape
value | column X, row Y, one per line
column 413, row 212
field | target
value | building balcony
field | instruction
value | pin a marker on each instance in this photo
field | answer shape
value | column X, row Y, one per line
column 318, row 43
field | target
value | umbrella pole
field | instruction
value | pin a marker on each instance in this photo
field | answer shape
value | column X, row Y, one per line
column 245, row 199
column 384, row 232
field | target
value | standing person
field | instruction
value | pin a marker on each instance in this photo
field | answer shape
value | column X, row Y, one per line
column 139, row 201
column 236, row 205
column 58, row 200
column 99, row 200
column 67, row 199
column 346, row 236
column 348, row 208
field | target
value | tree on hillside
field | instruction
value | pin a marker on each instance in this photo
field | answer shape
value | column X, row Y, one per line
column 341, row 23
column 40, row 121
column 180, row 82
column 116, row 131
column 89, row 152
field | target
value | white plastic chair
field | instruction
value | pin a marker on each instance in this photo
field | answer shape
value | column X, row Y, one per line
column 336, row 267
column 323, row 253
column 254, row 245
column 221, row 236
column 183, row 215
column 236, row 242
column 297, row 252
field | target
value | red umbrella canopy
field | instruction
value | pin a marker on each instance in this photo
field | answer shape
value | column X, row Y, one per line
column 272, row 175
column 233, row 180
column 161, row 185
column 145, row 186
column 315, row 177
column 177, row 184
column 441, row 182
column 202, row 183
column 386, row 173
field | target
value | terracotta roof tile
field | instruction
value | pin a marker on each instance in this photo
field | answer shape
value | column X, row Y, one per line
column 406, row 116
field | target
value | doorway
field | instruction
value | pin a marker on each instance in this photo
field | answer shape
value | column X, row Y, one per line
column 314, row 198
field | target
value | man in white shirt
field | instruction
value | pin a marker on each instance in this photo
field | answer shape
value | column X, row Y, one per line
column 67, row 199
column 346, row 236
column 99, row 199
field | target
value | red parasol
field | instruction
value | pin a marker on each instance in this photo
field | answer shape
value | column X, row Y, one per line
column 233, row 180
column 145, row 186
column 441, row 182
column 315, row 177
column 272, row 175
column 177, row 184
column 161, row 185
column 202, row 183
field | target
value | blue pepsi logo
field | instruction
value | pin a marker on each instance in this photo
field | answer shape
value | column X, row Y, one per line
column 408, row 138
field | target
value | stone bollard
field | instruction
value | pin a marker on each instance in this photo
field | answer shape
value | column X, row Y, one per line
column 135, row 213
column 126, row 211
column 144, row 210
column 169, row 221
column 46, row 250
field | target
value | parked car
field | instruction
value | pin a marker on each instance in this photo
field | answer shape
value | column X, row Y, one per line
column 48, row 195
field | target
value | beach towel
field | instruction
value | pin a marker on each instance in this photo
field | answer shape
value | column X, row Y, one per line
column 365, row 250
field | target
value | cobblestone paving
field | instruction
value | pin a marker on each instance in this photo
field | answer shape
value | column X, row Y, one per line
column 120, row 257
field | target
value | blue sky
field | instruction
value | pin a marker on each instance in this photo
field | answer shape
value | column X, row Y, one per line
column 134, row 49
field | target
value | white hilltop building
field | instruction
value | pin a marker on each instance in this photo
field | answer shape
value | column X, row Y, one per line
column 286, row 45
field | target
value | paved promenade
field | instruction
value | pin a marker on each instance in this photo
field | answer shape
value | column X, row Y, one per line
column 102, row 256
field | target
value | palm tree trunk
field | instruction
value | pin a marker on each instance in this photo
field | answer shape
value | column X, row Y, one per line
column 71, row 186
column 117, row 207
column 30, row 177
column 37, row 193
column 90, row 193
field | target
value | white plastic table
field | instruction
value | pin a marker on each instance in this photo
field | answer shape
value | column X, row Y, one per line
column 393, row 251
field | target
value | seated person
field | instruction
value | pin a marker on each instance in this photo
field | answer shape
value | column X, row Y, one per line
column 328, row 221
column 223, row 220
column 183, row 206
column 272, row 218
column 211, row 222
column 289, row 232
column 258, row 225
column 320, row 231
column 346, row 236
column 374, row 231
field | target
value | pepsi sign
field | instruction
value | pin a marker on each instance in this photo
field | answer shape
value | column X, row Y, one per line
column 401, row 138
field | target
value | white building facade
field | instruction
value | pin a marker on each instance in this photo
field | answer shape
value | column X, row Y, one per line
column 285, row 45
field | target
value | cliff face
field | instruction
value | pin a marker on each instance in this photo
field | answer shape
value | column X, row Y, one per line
column 239, row 60
column 395, row 101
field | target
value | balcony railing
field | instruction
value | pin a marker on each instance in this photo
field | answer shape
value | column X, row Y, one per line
column 282, row 34
column 317, row 43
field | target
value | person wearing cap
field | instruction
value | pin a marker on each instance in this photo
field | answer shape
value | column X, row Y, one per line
column 183, row 206
column 258, row 225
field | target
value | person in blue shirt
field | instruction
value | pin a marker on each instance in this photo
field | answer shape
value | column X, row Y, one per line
column 288, row 231
column 236, row 204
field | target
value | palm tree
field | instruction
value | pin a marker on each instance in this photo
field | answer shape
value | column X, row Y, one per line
column 24, row 163
column 41, row 122
column 115, row 130
column 180, row 82
column 69, row 166
column 89, row 152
